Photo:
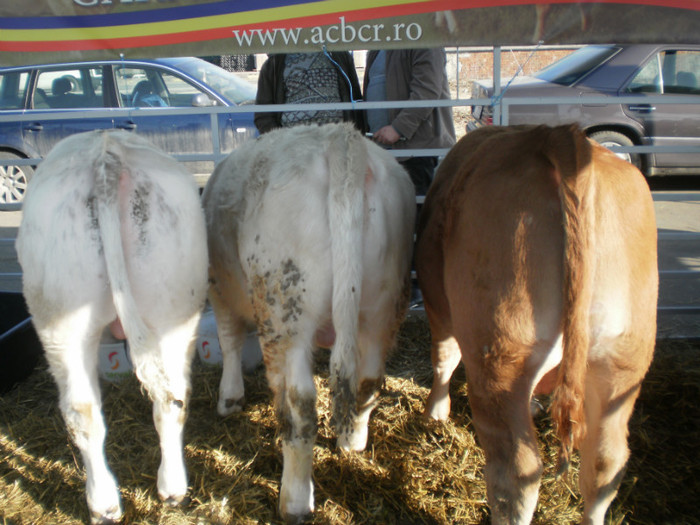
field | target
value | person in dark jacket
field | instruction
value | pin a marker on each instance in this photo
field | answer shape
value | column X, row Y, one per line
column 298, row 78
column 410, row 74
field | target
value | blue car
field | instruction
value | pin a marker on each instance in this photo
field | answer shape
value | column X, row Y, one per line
column 96, row 89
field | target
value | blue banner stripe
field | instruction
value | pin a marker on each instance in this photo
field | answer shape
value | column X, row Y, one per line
column 146, row 16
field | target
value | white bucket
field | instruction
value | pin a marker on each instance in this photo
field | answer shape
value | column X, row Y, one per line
column 114, row 363
column 209, row 349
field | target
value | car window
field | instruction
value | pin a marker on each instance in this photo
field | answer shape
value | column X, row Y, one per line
column 180, row 92
column 575, row 66
column 151, row 87
column 13, row 88
column 687, row 72
column 223, row 82
column 649, row 78
column 68, row 88
column 139, row 87
column 670, row 71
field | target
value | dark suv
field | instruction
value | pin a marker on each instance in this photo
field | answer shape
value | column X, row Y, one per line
column 624, row 70
column 51, row 94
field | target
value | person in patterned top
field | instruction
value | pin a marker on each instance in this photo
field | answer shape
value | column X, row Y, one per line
column 307, row 78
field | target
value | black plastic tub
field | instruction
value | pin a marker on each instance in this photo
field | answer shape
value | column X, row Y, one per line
column 20, row 347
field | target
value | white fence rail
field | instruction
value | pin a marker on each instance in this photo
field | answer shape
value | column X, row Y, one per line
column 217, row 154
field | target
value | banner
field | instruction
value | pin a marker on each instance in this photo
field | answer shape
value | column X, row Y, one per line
column 33, row 31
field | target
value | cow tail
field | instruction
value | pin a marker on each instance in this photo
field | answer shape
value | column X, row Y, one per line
column 111, row 183
column 570, row 152
column 347, row 166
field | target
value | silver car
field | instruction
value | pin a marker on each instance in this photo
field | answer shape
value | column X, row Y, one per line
column 622, row 70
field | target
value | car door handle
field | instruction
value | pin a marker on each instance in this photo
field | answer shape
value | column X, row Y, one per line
column 643, row 108
column 129, row 125
column 34, row 126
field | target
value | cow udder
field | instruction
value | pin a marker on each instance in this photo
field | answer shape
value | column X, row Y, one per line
column 325, row 336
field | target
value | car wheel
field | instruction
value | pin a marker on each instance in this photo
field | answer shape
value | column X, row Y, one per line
column 615, row 138
column 13, row 182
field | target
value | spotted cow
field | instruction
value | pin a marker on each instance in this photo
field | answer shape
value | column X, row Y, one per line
column 310, row 237
column 537, row 261
column 113, row 232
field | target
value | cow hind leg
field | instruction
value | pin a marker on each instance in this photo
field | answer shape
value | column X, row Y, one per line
column 232, row 332
column 72, row 357
column 604, row 450
column 446, row 356
column 375, row 338
column 513, row 466
column 170, row 393
column 353, row 413
column 296, row 408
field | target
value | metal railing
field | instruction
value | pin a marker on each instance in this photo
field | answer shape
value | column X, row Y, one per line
column 217, row 154
column 504, row 103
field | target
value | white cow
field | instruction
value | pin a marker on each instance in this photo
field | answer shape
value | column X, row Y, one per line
column 113, row 230
column 310, row 234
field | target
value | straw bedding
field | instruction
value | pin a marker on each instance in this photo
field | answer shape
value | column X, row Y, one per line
column 412, row 472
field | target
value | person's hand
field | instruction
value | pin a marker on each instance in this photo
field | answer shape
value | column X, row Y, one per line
column 386, row 135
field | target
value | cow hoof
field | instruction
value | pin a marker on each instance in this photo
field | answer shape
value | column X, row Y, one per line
column 537, row 408
column 175, row 501
column 353, row 441
column 432, row 415
column 104, row 502
column 295, row 519
column 296, row 504
column 439, row 410
column 227, row 407
column 110, row 517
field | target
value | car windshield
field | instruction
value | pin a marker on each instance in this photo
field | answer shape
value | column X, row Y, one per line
column 575, row 66
column 224, row 82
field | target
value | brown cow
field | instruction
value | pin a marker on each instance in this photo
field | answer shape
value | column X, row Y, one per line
column 537, row 253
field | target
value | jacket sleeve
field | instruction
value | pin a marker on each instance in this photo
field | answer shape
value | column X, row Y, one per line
column 266, row 95
column 426, row 78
